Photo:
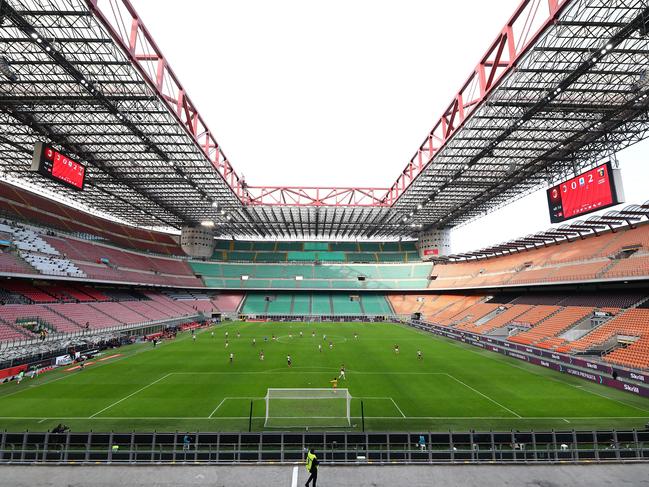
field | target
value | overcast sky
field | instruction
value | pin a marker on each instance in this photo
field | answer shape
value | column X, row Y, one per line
column 340, row 93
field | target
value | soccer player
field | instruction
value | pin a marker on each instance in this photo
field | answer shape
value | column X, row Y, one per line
column 324, row 338
column 19, row 379
column 342, row 372
column 320, row 347
column 227, row 343
column 254, row 342
column 313, row 334
column 261, row 355
column 301, row 335
column 334, row 384
column 355, row 335
column 238, row 334
column 226, row 335
column 290, row 335
column 212, row 333
column 274, row 338
column 419, row 355
column 396, row 349
column 288, row 360
column 331, row 345
column 231, row 358
column 193, row 337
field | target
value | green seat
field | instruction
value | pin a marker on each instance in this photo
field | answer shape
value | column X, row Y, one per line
column 255, row 304
column 316, row 246
column 280, row 304
column 331, row 256
column 375, row 304
column 343, row 305
column 242, row 245
column 302, row 304
column 297, row 256
column 320, row 304
column 235, row 256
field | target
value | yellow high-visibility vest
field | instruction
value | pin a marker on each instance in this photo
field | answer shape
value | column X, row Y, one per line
column 309, row 461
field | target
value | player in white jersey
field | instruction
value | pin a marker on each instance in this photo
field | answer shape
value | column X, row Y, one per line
column 342, row 372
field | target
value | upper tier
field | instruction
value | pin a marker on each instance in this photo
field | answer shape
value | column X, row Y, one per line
column 310, row 276
column 261, row 251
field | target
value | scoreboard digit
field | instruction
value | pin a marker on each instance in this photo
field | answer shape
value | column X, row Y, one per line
column 57, row 166
column 591, row 191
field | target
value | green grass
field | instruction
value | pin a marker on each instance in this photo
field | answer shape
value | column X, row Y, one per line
column 182, row 385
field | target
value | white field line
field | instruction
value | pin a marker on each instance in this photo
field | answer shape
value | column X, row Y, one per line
column 498, row 358
column 130, row 395
column 94, row 367
column 252, row 398
column 220, row 404
column 294, row 477
column 467, row 418
column 485, row 396
column 304, row 371
column 398, row 408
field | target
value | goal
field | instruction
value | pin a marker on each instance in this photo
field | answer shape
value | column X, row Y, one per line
column 302, row 408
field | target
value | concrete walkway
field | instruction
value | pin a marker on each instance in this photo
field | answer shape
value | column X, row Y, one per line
column 617, row 475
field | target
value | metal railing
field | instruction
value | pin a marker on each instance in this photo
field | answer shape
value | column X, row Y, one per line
column 332, row 448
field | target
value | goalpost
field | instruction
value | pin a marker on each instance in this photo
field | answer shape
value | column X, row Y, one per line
column 301, row 408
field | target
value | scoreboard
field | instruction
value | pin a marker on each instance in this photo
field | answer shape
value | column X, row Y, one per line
column 594, row 190
column 57, row 166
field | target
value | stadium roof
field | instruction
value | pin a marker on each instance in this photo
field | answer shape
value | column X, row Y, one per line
column 563, row 85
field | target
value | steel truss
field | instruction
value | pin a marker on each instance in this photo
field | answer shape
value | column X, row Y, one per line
column 547, row 99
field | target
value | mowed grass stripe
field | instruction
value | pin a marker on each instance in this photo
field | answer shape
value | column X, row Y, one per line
column 183, row 384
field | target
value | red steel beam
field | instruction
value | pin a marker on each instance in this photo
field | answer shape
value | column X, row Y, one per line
column 129, row 32
column 525, row 26
column 315, row 196
column 127, row 29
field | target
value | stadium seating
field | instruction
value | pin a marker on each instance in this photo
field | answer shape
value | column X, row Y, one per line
column 62, row 311
column 326, row 304
column 36, row 209
column 349, row 252
column 592, row 258
column 313, row 276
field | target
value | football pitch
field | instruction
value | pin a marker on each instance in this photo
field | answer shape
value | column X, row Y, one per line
column 188, row 385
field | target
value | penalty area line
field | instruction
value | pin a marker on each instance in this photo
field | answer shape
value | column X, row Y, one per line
column 130, row 395
column 485, row 396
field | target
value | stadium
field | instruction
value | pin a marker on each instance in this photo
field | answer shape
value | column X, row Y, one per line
column 158, row 309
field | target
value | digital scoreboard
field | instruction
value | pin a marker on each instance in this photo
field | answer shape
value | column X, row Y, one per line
column 591, row 191
column 57, row 166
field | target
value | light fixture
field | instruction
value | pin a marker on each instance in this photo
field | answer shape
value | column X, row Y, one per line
column 215, row 204
column 609, row 46
column 420, row 206
column 34, row 35
column 207, row 223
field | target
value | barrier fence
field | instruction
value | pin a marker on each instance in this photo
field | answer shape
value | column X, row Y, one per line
column 332, row 448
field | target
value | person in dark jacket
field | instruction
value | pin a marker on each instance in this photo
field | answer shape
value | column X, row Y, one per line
column 312, row 463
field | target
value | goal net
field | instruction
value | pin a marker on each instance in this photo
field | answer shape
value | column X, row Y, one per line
column 301, row 408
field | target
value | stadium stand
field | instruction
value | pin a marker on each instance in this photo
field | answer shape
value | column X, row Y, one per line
column 325, row 304
column 67, row 309
column 350, row 252
column 613, row 323
column 30, row 207
column 310, row 276
column 607, row 255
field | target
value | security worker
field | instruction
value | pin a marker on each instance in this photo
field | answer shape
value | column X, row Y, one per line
column 312, row 467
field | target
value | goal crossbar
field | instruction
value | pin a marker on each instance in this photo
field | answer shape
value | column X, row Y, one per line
column 316, row 407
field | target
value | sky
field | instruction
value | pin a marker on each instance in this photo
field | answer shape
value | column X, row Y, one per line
column 340, row 93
